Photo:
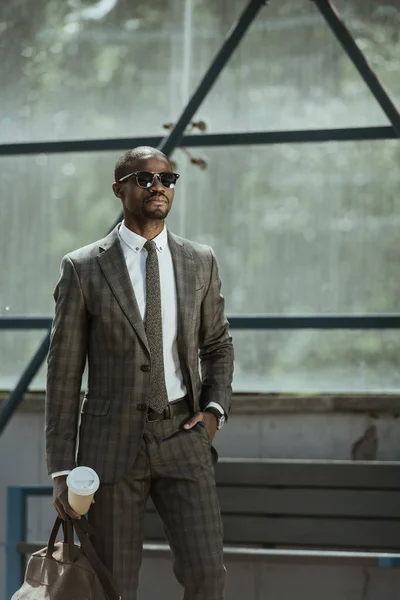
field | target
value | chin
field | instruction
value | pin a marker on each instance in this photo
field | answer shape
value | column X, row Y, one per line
column 156, row 214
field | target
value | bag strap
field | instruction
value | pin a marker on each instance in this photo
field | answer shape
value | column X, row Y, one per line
column 82, row 528
column 52, row 538
column 68, row 532
column 86, row 526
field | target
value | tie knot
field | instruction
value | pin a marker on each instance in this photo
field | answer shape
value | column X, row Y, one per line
column 150, row 246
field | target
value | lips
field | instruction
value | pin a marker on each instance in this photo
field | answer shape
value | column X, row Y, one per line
column 157, row 199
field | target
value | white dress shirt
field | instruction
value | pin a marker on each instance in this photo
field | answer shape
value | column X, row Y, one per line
column 135, row 256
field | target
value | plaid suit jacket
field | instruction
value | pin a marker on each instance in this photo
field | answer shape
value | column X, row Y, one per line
column 97, row 320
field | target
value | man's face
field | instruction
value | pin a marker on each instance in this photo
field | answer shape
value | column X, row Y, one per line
column 154, row 202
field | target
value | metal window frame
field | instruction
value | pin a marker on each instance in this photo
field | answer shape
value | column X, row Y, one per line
column 207, row 140
column 177, row 138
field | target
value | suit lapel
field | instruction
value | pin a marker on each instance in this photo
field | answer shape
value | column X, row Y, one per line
column 185, row 278
column 113, row 266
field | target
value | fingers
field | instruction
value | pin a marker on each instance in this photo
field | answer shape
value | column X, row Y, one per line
column 60, row 500
column 197, row 417
column 71, row 513
column 61, row 512
column 63, row 509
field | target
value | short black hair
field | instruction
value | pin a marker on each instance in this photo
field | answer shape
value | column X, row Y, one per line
column 126, row 163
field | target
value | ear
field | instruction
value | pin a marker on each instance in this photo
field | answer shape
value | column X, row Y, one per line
column 117, row 189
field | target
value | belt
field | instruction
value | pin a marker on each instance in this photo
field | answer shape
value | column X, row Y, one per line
column 174, row 409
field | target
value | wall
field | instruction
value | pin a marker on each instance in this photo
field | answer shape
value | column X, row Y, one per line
column 258, row 581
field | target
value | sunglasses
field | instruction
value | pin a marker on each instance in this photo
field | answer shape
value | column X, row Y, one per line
column 145, row 179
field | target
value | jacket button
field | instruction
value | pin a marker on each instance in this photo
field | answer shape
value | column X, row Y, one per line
column 141, row 407
column 145, row 368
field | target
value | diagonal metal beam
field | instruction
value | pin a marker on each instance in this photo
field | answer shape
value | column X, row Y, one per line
column 167, row 145
column 337, row 25
column 231, row 42
column 15, row 398
column 222, row 57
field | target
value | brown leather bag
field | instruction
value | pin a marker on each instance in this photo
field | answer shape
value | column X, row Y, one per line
column 65, row 571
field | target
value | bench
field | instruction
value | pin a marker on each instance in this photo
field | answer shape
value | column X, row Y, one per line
column 341, row 507
column 298, row 511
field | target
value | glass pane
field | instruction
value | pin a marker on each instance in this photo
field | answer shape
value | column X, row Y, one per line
column 17, row 348
column 310, row 228
column 114, row 69
column 317, row 361
column 40, row 518
column 269, row 361
column 290, row 72
column 375, row 27
column 50, row 205
column 87, row 70
column 307, row 228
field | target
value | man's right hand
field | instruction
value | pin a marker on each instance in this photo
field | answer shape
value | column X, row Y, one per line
column 60, row 499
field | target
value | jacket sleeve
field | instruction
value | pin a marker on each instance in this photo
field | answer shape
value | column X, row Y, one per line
column 215, row 346
column 66, row 363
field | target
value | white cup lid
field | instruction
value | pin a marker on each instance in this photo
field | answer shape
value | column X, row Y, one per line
column 83, row 481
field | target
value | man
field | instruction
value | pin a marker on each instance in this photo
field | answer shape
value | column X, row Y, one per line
column 142, row 305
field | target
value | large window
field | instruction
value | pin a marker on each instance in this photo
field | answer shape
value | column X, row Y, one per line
column 306, row 228
column 93, row 69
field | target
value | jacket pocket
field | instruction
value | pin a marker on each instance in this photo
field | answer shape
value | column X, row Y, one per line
column 96, row 406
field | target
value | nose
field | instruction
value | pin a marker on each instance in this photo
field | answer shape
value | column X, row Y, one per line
column 156, row 185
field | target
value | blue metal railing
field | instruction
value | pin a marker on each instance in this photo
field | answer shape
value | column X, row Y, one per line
column 17, row 506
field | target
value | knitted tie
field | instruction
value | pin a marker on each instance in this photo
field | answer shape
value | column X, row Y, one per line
column 158, row 392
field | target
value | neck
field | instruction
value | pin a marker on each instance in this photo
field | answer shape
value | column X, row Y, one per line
column 148, row 229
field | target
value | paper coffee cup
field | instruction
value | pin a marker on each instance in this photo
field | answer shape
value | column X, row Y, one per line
column 82, row 484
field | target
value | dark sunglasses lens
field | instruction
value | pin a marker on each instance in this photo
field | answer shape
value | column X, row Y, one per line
column 144, row 179
column 168, row 179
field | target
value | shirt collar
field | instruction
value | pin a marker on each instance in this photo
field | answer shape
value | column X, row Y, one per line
column 136, row 242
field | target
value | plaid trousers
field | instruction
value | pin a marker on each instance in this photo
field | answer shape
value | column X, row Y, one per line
column 175, row 468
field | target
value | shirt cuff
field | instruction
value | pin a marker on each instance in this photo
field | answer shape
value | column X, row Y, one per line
column 217, row 406
column 59, row 473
